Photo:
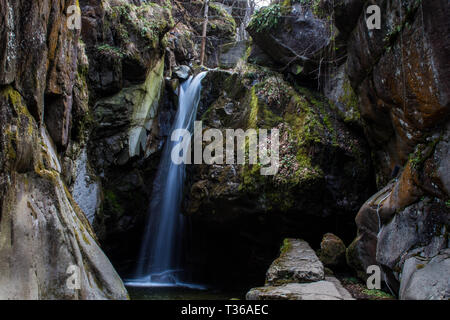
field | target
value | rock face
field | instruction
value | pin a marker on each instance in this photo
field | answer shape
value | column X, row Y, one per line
column 403, row 98
column 60, row 96
column 425, row 281
column 43, row 232
column 310, row 132
column 298, row 274
column 134, row 49
column 231, row 53
column 293, row 36
column 296, row 263
column 40, row 57
column 324, row 175
column 185, row 39
column 402, row 86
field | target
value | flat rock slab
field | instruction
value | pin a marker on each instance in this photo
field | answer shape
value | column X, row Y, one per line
column 297, row 263
column 329, row 289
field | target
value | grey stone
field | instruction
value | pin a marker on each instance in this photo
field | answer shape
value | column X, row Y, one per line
column 416, row 224
column 231, row 53
column 296, row 263
column 86, row 188
column 423, row 280
column 182, row 72
column 329, row 289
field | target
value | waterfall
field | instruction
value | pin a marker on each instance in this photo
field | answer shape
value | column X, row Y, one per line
column 159, row 262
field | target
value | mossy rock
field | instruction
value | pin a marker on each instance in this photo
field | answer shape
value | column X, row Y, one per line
column 314, row 143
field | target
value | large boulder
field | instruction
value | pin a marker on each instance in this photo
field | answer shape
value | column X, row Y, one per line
column 318, row 153
column 293, row 36
column 296, row 263
column 409, row 217
column 332, row 251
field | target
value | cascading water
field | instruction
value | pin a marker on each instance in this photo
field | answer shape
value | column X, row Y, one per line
column 159, row 261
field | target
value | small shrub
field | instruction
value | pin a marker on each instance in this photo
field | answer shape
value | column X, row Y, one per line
column 266, row 18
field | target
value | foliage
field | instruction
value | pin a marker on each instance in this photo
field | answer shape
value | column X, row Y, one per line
column 266, row 18
column 275, row 92
column 377, row 293
column 108, row 50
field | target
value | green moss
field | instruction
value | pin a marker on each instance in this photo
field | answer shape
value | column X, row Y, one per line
column 315, row 6
column 15, row 99
column 85, row 239
column 253, row 117
column 286, row 246
column 422, row 153
column 350, row 100
column 149, row 21
column 377, row 293
column 217, row 10
column 112, row 203
column 24, row 125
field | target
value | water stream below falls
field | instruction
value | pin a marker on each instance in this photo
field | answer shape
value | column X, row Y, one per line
column 160, row 259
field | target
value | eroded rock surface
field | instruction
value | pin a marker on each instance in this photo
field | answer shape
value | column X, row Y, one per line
column 43, row 232
column 296, row 263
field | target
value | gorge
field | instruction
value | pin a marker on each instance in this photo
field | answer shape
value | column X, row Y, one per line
column 86, row 178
